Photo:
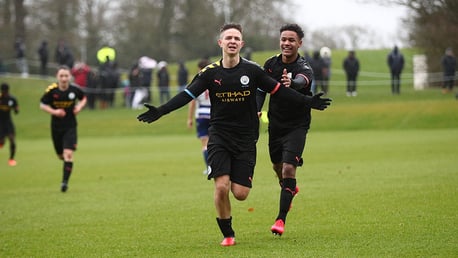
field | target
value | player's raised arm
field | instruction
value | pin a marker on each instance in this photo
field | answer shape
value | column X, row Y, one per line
column 154, row 113
column 315, row 102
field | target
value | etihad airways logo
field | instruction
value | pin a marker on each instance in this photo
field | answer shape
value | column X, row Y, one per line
column 233, row 96
column 63, row 103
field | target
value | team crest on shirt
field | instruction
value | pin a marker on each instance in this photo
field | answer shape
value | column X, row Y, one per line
column 244, row 80
column 71, row 95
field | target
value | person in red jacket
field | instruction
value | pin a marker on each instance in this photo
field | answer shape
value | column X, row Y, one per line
column 80, row 73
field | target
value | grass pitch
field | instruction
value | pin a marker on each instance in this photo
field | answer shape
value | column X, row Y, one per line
column 365, row 193
column 379, row 180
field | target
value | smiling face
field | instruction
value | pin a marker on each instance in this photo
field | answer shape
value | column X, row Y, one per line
column 231, row 42
column 289, row 44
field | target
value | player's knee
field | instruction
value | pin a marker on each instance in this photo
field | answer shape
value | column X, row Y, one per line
column 289, row 170
column 240, row 192
column 222, row 185
column 277, row 167
column 68, row 155
column 240, row 196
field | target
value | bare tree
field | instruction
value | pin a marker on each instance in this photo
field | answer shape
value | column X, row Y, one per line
column 162, row 29
column 196, row 29
column 6, row 28
column 354, row 35
column 19, row 19
column 433, row 26
column 329, row 37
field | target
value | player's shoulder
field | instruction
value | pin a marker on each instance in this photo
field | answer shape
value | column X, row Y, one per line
column 249, row 63
column 271, row 61
column 210, row 67
column 74, row 86
column 301, row 60
column 51, row 87
column 274, row 58
column 303, row 63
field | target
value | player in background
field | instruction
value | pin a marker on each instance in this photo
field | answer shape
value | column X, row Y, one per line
column 63, row 101
column 234, row 122
column 8, row 103
column 288, row 125
column 199, row 109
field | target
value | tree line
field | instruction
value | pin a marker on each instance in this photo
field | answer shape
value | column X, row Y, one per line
column 432, row 27
column 175, row 30
column 169, row 30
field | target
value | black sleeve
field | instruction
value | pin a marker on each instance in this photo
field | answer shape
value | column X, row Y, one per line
column 298, row 83
column 46, row 99
column 297, row 99
column 175, row 103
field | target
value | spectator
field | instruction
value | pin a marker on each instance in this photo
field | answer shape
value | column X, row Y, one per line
column 63, row 55
column 396, row 63
column 109, row 82
column 138, row 94
column 80, row 74
column 248, row 52
column 21, row 60
column 203, row 62
column 351, row 67
column 43, row 54
column 2, row 66
column 91, row 89
column 317, row 64
column 449, row 68
column 163, row 82
column 182, row 76
column 325, row 53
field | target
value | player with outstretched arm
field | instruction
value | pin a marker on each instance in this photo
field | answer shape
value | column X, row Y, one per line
column 234, row 125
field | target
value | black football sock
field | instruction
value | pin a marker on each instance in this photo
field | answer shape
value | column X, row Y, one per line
column 67, row 171
column 286, row 197
column 225, row 225
column 12, row 150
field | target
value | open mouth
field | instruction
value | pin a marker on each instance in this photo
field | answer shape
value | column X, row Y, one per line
column 287, row 49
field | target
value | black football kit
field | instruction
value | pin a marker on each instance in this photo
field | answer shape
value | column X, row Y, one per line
column 288, row 125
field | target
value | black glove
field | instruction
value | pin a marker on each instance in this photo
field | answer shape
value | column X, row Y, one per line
column 151, row 115
column 316, row 102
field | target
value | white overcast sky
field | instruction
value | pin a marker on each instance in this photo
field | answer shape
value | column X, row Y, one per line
column 384, row 21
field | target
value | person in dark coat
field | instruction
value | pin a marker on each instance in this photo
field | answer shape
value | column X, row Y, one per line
column 351, row 67
column 43, row 54
column 395, row 61
column 449, row 68
column 318, row 66
column 182, row 76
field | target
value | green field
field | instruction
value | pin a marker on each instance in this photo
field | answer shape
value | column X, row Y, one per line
column 380, row 179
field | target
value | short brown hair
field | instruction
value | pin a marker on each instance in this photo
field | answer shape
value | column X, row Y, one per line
column 231, row 26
